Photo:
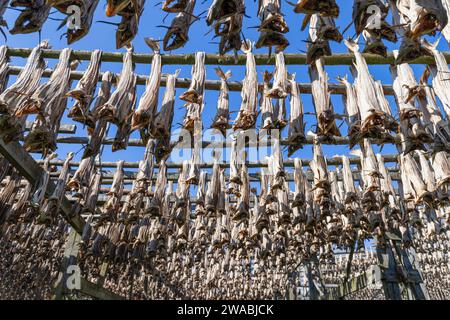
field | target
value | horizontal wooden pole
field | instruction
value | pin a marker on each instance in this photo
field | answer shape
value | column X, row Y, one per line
column 64, row 128
column 98, row 292
column 332, row 161
column 342, row 141
column 209, row 84
column 215, row 59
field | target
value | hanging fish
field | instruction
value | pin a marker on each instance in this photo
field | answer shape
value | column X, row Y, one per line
column 145, row 113
column 296, row 133
column 32, row 17
column 177, row 34
column 326, row 124
column 221, row 120
column 84, row 91
column 246, row 118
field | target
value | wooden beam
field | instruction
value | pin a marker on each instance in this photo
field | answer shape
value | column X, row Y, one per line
column 98, row 292
column 64, row 128
column 371, row 277
column 215, row 59
column 209, row 84
column 30, row 170
column 289, row 163
column 341, row 141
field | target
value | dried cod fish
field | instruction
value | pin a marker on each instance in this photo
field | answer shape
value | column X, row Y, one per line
column 32, row 17
column 267, row 109
column 296, row 134
column 375, row 121
column 51, row 207
column 272, row 25
column 4, row 67
column 321, row 30
column 84, row 91
column 112, row 205
column 128, row 26
column 246, row 118
column 213, row 189
column 194, row 96
column 327, row 8
column 351, row 111
column 194, row 166
column 87, row 14
column 326, row 124
column 222, row 118
column 102, row 125
column 49, row 102
column 412, row 130
column 163, row 120
column 440, row 75
column 243, row 205
column 414, row 178
column 82, row 175
column 25, row 85
column 118, row 107
column 145, row 113
column 322, row 187
column 299, row 180
column 177, row 34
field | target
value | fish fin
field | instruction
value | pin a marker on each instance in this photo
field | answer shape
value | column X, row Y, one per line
column 306, row 21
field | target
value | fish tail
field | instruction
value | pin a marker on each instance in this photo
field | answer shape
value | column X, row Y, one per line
column 352, row 45
column 153, row 44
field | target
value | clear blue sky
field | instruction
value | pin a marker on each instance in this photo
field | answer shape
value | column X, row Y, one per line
column 102, row 37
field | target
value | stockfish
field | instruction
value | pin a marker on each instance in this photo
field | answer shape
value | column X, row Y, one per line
column 351, row 110
column 102, row 125
column 375, row 121
column 321, row 188
column 114, row 195
column 296, row 133
column 235, row 167
column 158, row 196
column 372, row 25
column 299, row 181
column 25, row 85
column 326, row 124
column 194, row 166
column 243, row 205
column 440, row 75
column 32, row 17
column 40, row 190
column 145, row 113
column 178, row 6
column 222, row 118
column 84, row 91
column 410, row 47
column 128, row 26
column 201, row 194
column 441, row 169
column 4, row 67
column 117, row 108
column 51, row 207
column 412, row 131
column 272, row 26
column 413, row 177
column 321, row 30
column 327, row 8
column 267, row 112
column 82, row 175
column 163, row 120
column 214, row 189
column 49, row 102
column 177, row 34
column 433, row 119
column 194, row 96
